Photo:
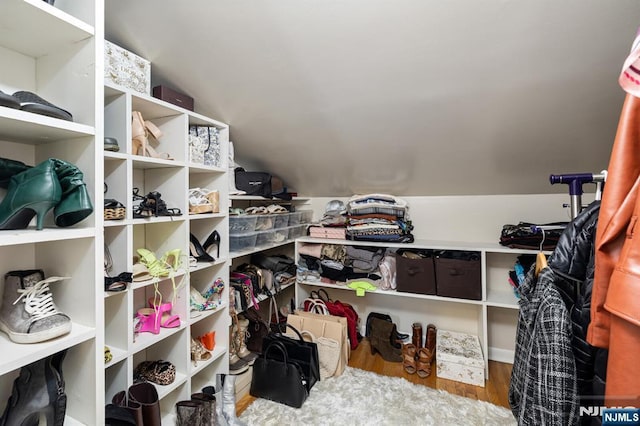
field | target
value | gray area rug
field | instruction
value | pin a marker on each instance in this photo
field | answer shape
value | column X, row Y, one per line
column 360, row 397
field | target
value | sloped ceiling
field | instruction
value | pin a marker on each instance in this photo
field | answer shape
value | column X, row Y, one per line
column 409, row 97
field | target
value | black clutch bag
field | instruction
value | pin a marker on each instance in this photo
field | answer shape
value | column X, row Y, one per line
column 302, row 352
column 277, row 378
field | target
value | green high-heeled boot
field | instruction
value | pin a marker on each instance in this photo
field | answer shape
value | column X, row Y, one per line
column 31, row 193
column 75, row 204
column 9, row 168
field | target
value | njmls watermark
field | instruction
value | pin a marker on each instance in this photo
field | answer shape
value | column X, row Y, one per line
column 626, row 412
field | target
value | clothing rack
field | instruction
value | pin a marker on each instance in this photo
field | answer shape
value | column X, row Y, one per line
column 575, row 182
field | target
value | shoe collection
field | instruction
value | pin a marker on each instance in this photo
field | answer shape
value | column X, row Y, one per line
column 33, row 191
column 415, row 357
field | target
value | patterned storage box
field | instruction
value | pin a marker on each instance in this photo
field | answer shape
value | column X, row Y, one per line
column 459, row 357
column 126, row 69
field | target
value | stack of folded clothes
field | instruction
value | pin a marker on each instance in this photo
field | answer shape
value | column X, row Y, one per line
column 333, row 223
column 378, row 217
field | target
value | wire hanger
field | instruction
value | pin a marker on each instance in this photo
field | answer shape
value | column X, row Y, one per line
column 541, row 258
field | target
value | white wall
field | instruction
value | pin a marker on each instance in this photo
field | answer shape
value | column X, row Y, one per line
column 475, row 218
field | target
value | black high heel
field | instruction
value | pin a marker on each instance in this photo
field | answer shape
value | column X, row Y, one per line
column 197, row 251
column 213, row 240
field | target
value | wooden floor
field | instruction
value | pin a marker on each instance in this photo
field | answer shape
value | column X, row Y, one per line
column 495, row 390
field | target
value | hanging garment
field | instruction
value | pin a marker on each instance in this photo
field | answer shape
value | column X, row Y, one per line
column 615, row 311
column 573, row 264
column 543, row 388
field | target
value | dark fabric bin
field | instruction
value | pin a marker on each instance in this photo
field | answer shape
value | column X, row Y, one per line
column 458, row 275
column 415, row 275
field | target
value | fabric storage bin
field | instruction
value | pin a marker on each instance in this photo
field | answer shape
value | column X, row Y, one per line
column 459, row 357
column 416, row 275
column 458, row 274
column 281, row 220
column 126, row 69
column 264, row 238
column 241, row 242
column 241, row 224
column 264, row 222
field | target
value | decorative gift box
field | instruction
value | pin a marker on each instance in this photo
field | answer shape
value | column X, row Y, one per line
column 126, row 69
column 173, row 97
column 459, row 357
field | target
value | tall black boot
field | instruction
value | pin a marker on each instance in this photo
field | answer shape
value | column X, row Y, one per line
column 38, row 394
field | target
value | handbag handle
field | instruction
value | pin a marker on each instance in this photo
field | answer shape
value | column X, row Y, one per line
column 310, row 334
column 319, row 293
column 280, row 346
column 294, row 329
column 317, row 306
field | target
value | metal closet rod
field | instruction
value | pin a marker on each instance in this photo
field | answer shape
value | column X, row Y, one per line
column 575, row 182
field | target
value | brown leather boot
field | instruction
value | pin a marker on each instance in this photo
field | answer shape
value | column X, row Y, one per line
column 430, row 344
column 381, row 331
column 417, row 335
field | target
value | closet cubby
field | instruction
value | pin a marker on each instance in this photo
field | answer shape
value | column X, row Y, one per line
column 127, row 173
column 493, row 318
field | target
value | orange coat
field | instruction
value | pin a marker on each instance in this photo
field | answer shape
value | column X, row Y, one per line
column 615, row 301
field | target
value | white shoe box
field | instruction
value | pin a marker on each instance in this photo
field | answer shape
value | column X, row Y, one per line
column 459, row 357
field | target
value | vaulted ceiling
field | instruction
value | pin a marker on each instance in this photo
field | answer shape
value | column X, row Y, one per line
column 409, row 97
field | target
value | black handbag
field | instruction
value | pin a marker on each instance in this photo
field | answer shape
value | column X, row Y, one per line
column 257, row 330
column 278, row 378
column 300, row 351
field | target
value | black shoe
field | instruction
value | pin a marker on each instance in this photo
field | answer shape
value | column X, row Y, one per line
column 197, row 251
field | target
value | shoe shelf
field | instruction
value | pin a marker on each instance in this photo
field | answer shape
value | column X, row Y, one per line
column 193, row 319
column 37, row 129
column 125, row 171
column 247, row 252
column 35, row 28
column 31, row 236
column 15, row 356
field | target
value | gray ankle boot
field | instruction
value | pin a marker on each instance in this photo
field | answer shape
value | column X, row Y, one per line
column 28, row 314
column 229, row 400
column 189, row 413
column 38, row 394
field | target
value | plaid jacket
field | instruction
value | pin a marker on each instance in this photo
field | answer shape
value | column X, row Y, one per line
column 543, row 389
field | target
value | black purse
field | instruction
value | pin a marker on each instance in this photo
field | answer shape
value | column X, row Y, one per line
column 300, row 351
column 278, row 378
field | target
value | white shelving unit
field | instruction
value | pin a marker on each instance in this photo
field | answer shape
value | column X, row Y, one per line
column 56, row 53
column 125, row 173
column 493, row 318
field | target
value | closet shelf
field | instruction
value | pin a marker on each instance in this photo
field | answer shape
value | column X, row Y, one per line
column 159, row 219
column 257, row 198
column 36, row 28
column 140, row 162
column 178, row 277
column 35, row 129
column 393, row 293
column 206, row 314
column 206, row 216
column 217, row 352
column 204, row 265
column 236, row 254
column 115, row 156
column 262, row 297
column 15, row 355
column 164, row 390
column 144, row 340
column 199, row 168
column 30, row 235
column 118, row 355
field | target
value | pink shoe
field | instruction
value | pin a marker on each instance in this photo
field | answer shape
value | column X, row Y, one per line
column 163, row 313
column 147, row 321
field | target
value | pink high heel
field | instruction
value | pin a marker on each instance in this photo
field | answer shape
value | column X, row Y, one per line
column 166, row 319
column 147, row 321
